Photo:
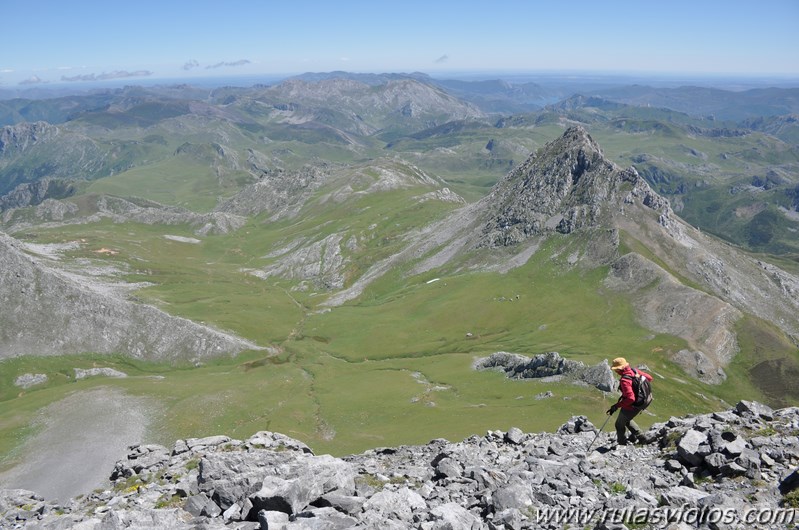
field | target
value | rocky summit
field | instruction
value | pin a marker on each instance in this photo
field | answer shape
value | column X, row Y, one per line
column 730, row 469
column 567, row 185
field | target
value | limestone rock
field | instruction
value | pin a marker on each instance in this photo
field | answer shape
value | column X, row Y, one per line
column 549, row 365
column 751, row 408
column 577, row 424
column 26, row 381
column 693, row 447
column 80, row 373
column 500, row 480
column 67, row 313
column 399, row 505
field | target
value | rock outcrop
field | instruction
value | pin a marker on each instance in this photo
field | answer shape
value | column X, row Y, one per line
column 34, row 151
column 148, row 212
column 281, row 194
column 26, row 381
column 551, row 366
column 47, row 311
column 321, row 263
column 121, row 210
column 34, row 193
column 566, row 186
column 733, row 469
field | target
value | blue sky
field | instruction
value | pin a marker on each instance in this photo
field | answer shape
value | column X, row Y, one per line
column 48, row 41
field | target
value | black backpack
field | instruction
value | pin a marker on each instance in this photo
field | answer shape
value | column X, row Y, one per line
column 642, row 390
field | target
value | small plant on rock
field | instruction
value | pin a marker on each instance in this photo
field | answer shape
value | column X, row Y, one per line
column 130, row 484
column 167, row 501
column 791, row 500
column 618, row 488
column 765, row 431
column 194, row 463
column 671, row 439
column 371, row 481
column 702, row 479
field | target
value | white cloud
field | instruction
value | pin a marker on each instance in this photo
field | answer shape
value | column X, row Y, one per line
column 117, row 74
column 241, row 62
column 32, row 80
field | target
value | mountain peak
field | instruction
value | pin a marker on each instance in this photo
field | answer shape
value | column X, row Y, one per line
column 566, row 185
column 576, row 135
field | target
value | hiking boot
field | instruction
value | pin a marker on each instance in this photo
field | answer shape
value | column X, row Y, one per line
column 621, row 448
column 634, row 439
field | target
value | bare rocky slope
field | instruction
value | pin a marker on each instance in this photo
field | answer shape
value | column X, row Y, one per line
column 48, row 311
column 362, row 109
column 728, row 470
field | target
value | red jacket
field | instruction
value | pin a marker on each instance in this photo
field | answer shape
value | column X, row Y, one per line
column 626, row 388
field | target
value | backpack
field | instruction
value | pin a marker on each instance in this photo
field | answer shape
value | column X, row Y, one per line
column 642, row 389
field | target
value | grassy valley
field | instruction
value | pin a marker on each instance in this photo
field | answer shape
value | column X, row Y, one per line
column 394, row 365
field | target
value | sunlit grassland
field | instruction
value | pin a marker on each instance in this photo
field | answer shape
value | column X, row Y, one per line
column 531, row 309
column 224, row 396
column 174, row 182
column 393, row 367
column 336, row 405
column 187, row 279
column 699, row 152
column 767, row 362
column 466, row 165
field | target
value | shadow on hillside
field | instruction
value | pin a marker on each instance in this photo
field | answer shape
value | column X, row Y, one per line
column 777, row 380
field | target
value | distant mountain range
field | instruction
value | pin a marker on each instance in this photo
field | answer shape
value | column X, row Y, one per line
column 470, row 133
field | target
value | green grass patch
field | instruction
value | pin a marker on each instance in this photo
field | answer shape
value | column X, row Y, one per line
column 169, row 501
column 392, row 367
column 173, row 181
column 766, row 366
column 531, row 309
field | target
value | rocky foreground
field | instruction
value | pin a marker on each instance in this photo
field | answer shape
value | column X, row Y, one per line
column 732, row 469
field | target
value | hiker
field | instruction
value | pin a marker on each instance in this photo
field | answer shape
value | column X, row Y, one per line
column 626, row 404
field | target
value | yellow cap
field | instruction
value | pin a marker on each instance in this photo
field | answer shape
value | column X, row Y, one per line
column 619, row 363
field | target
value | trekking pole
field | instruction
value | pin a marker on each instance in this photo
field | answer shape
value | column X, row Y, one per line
column 597, row 434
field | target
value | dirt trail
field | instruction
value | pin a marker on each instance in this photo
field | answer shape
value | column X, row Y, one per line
column 79, row 440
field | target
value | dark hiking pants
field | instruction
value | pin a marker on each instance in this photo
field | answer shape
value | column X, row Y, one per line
column 625, row 421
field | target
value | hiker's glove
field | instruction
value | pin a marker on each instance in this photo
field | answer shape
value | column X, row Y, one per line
column 612, row 409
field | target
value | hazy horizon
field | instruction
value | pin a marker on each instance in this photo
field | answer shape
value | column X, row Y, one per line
column 87, row 42
column 561, row 79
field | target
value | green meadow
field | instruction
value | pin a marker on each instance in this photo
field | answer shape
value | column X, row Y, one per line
column 393, row 366
column 172, row 182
